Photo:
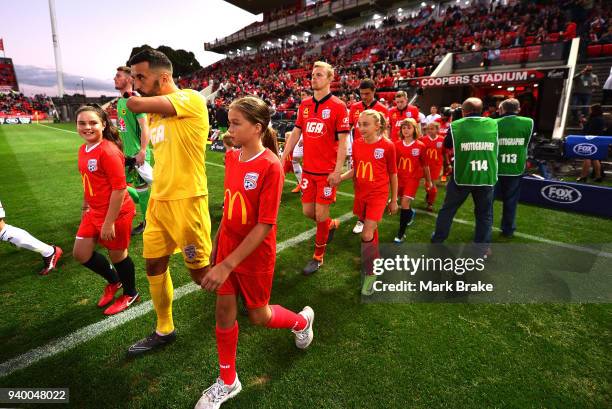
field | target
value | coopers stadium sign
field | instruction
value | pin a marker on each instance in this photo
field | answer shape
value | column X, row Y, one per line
column 487, row 78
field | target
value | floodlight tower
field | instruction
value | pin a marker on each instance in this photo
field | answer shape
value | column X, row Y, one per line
column 56, row 51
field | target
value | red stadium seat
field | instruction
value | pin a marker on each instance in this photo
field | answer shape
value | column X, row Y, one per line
column 607, row 50
column 594, row 51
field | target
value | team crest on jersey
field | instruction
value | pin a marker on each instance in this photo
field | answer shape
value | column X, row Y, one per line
column 189, row 251
column 327, row 191
column 439, row 145
column 123, row 112
column 415, row 152
column 305, row 113
column 92, row 165
column 326, row 113
column 379, row 153
column 250, row 180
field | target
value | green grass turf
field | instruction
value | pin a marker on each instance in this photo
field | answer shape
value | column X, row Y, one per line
column 374, row 356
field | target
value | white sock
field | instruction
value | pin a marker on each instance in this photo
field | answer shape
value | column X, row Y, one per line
column 297, row 169
column 25, row 240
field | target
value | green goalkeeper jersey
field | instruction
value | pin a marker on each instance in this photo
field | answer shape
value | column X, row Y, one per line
column 129, row 129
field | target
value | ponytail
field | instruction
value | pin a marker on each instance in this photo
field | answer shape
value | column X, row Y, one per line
column 256, row 111
column 383, row 124
column 269, row 139
column 109, row 132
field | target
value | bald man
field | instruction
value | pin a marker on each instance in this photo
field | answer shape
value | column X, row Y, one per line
column 473, row 139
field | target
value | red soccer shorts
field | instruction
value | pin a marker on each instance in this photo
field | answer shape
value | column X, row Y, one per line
column 255, row 288
column 90, row 227
column 315, row 189
column 408, row 187
column 370, row 208
column 435, row 171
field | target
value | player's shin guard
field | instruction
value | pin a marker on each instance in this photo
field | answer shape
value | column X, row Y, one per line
column 24, row 240
column 127, row 274
column 162, row 292
column 284, row 318
column 100, row 265
column 227, row 343
column 321, row 239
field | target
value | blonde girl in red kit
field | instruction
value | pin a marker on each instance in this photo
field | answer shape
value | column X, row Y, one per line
column 244, row 250
column 374, row 175
column 411, row 167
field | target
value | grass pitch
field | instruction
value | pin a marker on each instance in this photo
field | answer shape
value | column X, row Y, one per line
column 363, row 356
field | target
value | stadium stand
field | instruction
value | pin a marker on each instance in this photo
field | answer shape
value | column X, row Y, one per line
column 401, row 46
column 15, row 104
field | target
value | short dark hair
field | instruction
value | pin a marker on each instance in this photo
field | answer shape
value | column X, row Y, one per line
column 367, row 84
column 156, row 59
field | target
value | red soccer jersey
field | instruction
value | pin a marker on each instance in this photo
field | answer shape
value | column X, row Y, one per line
column 410, row 159
column 373, row 164
column 321, row 122
column 102, row 170
column 444, row 127
column 435, row 150
column 396, row 116
column 357, row 108
column 252, row 195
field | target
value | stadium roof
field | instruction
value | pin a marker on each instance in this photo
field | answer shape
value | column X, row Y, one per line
column 258, row 6
column 325, row 14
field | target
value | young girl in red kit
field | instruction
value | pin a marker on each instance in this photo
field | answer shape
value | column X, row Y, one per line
column 244, row 250
column 107, row 212
column 411, row 167
column 434, row 143
column 374, row 171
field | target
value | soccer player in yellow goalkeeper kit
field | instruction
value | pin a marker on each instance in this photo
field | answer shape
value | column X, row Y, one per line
column 177, row 216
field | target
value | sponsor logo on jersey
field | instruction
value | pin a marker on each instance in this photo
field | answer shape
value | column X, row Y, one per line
column 250, row 180
column 189, row 251
column 92, row 165
column 121, row 125
column 325, row 114
column 561, row 194
column 379, row 153
column 327, row 191
column 586, row 149
column 231, row 198
column 364, row 167
column 315, row 128
column 123, row 111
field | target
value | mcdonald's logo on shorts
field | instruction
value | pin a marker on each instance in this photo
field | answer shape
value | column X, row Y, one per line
column 362, row 168
column 229, row 205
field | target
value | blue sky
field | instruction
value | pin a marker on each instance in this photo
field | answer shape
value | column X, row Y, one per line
column 96, row 37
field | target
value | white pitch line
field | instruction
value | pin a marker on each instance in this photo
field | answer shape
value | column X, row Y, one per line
column 93, row 330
